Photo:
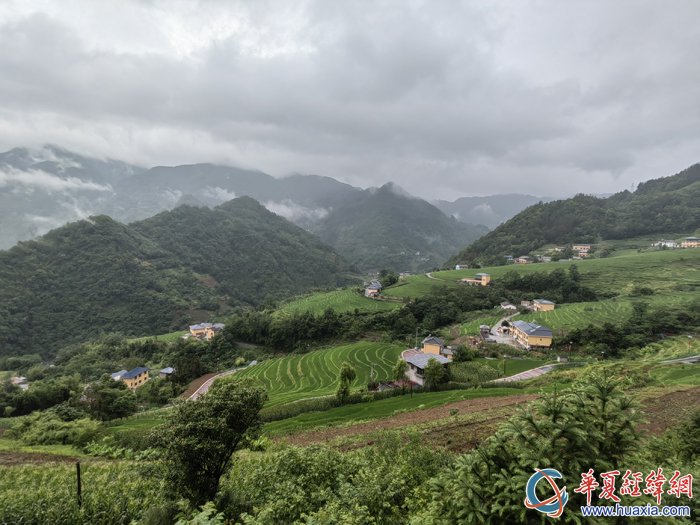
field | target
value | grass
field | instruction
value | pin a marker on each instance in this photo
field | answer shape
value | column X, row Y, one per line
column 344, row 300
column 415, row 286
column 472, row 327
column 168, row 338
column 379, row 409
column 11, row 445
column 672, row 348
column 663, row 270
column 677, row 375
column 315, row 374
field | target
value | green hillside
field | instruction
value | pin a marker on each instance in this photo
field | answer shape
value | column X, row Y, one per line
column 98, row 276
column 344, row 300
column 316, row 374
column 657, row 206
column 386, row 228
column 248, row 253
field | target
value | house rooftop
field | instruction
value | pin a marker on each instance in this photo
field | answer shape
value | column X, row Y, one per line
column 431, row 339
column 118, row 375
column 135, row 372
column 482, row 275
column 420, row 360
column 167, row 370
column 532, row 328
column 543, row 301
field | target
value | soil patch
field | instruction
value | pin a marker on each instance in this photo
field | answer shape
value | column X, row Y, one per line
column 416, row 417
column 8, row 459
column 668, row 410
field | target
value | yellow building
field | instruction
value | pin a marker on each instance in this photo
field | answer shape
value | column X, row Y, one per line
column 543, row 305
column 205, row 331
column 531, row 335
column 435, row 346
column 690, row 242
column 133, row 378
column 482, row 279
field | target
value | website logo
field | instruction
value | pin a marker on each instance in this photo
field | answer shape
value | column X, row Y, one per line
column 552, row 506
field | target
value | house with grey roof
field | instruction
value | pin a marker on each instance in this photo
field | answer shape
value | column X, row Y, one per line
column 417, row 361
column 531, row 335
column 543, row 305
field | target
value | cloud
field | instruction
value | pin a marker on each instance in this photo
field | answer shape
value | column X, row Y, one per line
column 296, row 213
column 446, row 98
column 38, row 179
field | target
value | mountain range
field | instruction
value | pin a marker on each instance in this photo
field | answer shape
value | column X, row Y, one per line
column 45, row 188
column 98, row 276
column 658, row 206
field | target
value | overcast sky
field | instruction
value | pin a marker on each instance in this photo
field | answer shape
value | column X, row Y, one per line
column 445, row 98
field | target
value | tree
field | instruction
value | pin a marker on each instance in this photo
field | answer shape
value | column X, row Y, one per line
column 346, row 376
column 434, row 374
column 590, row 426
column 108, row 399
column 400, row 369
column 199, row 438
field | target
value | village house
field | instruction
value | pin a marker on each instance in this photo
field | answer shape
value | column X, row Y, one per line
column 508, row 306
column 166, row 373
column 205, row 331
column 482, row 279
column 545, row 258
column 133, row 378
column 523, row 259
column 665, row 244
column 509, row 259
column 582, row 250
column 417, row 361
column 436, row 346
column 531, row 335
column 543, row 305
column 374, row 289
column 20, row 382
column 690, row 242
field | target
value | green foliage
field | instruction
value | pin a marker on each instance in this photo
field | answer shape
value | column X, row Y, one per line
column 346, row 376
column 400, row 369
column 434, row 374
column 384, row 229
column 47, row 428
column 113, row 494
column 321, row 485
column 591, row 426
column 200, row 436
column 658, row 206
column 108, row 399
column 97, row 275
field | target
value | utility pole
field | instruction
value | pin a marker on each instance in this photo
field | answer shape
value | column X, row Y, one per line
column 80, row 496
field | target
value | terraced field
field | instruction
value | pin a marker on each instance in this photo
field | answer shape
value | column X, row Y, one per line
column 345, row 300
column 315, row 374
column 419, row 285
column 659, row 270
column 579, row 315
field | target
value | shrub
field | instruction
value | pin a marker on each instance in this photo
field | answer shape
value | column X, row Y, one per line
column 48, row 429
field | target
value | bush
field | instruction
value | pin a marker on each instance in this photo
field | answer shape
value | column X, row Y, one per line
column 48, row 429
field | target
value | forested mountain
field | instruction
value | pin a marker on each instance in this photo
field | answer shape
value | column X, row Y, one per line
column 489, row 211
column 250, row 253
column 387, row 228
column 98, row 275
column 657, row 206
column 45, row 188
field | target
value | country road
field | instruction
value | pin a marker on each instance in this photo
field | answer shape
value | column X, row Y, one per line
column 207, row 384
column 429, row 275
column 527, row 374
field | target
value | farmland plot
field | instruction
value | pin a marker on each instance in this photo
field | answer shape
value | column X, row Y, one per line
column 315, row 374
column 345, row 300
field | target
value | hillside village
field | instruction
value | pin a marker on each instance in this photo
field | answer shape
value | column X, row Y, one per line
column 445, row 356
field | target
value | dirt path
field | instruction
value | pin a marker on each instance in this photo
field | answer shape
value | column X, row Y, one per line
column 10, row 458
column 416, row 417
